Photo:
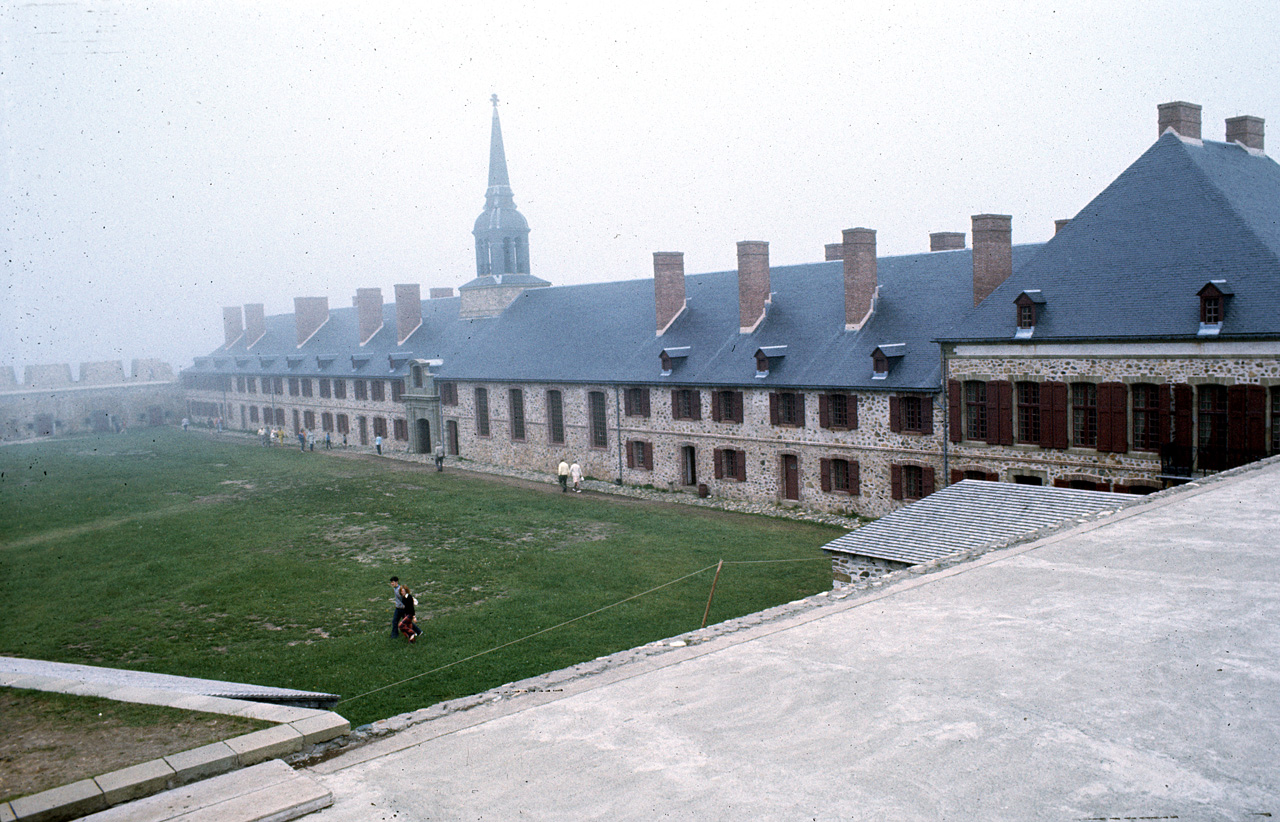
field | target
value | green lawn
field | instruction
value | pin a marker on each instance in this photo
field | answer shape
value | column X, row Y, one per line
column 178, row 553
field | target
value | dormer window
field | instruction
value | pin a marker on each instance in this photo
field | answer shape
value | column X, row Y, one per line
column 766, row 356
column 1028, row 305
column 673, row 357
column 884, row 358
column 1213, row 306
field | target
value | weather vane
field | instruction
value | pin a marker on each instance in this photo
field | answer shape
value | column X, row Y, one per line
column 494, row 98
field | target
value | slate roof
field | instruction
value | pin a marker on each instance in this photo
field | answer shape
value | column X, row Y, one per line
column 1130, row 264
column 973, row 514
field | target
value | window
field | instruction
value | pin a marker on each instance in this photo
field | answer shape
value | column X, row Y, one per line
column 448, row 393
column 1027, row 315
column 280, row 417
column 840, row 476
column 397, row 390
column 253, row 413
column 278, row 382
column 294, row 387
column 297, row 421
column 636, row 402
column 1211, row 310
column 640, row 455
column 686, row 404
column 401, row 428
column 1084, row 415
column 910, row 481
column 326, row 421
column 306, row 387
column 599, row 433
column 325, row 384
column 975, row 410
column 380, row 427
column 377, row 390
column 339, row 389
column 1212, row 425
column 252, row 385
column 309, row 419
column 240, row 385
column 517, row 413
column 1275, row 420
column 1146, row 418
column 451, row 436
column 786, row 408
column 726, row 406
column 839, row 412
column 482, row 412
column 1029, row 412
column 555, row 418
column 730, row 464
column 362, row 389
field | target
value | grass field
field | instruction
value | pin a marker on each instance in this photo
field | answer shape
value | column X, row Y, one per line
column 179, row 553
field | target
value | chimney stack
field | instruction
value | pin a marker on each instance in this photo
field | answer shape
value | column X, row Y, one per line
column 992, row 253
column 1246, row 130
column 1058, row 225
column 753, row 284
column 1183, row 118
column 859, row 254
column 668, row 287
column 368, row 304
column 408, row 310
column 440, row 293
column 255, row 323
column 309, row 313
column 835, row 251
column 232, row 325
column 946, row 240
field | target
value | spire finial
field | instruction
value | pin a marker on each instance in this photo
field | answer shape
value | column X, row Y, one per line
column 494, row 98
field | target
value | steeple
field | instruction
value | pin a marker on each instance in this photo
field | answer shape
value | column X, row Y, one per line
column 501, row 232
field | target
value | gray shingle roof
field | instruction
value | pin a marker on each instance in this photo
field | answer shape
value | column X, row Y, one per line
column 972, row 514
column 1130, row 263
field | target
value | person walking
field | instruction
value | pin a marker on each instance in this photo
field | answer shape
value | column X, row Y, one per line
column 328, row 441
column 302, row 441
column 575, row 474
column 377, row 443
column 311, row 440
column 563, row 473
column 439, row 456
column 398, row 613
column 409, row 622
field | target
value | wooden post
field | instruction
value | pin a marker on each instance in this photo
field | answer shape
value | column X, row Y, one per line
column 715, row 579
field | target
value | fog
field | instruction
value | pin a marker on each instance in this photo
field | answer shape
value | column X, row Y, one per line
column 164, row 159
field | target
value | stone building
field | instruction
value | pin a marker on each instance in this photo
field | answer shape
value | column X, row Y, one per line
column 822, row 384
column 49, row 401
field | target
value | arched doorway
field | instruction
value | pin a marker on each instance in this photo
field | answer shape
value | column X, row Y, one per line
column 424, row 436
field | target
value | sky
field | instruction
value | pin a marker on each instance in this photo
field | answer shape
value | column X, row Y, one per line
column 163, row 159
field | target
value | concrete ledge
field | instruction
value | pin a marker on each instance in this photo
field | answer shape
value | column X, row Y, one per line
column 203, row 762
column 266, row 744
column 274, row 713
column 321, row 728
column 6, row 813
column 57, row 804
column 135, row 781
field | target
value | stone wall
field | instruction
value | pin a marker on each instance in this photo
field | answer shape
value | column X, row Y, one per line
column 846, row 568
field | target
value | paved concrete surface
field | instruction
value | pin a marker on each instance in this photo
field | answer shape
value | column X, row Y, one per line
column 1127, row 668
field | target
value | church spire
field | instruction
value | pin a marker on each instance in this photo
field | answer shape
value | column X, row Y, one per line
column 502, row 235
column 499, row 183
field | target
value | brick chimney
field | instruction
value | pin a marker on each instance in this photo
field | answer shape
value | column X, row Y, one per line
column 946, row 240
column 992, row 253
column 408, row 310
column 309, row 313
column 835, row 251
column 255, row 323
column 1245, row 130
column 753, row 283
column 1058, row 225
column 859, row 254
column 1183, row 118
column 368, row 304
column 232, row 325
column 440, row 293
column 668, row 287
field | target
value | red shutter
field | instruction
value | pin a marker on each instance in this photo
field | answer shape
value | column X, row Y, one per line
column 993, row 412
column 825, row 471
column 895, row 414
column 675, row 403
column 1054, row 431
column 926, row 415
column 626, row 402
column 1005, row 390
column 1164, row 399
column 855, row 481
column 737, row 406
column 953, row 411
column 648, row 456
column 993, row 476
column 1104, row 486
column 1105, row 427
column 631, row 455
column 718, row 463
column 926, row 481
column 956, row 475
column 853, row 411
column 773, row 407
column 716, row 399
column 1183, row 402
column 824, row 411
column 895, row 481
column 742, row 466
column 695, row 401
column 1061, row 483
column 1255, row 410
column 1113, row 417
column 800, row 409
column 644, row 402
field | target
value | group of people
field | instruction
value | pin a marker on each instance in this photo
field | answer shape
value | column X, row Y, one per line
column 567, row 473
column 306, row 439
column 404, row 620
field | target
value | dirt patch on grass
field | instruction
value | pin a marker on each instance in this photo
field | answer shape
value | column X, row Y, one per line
column 47, row 740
